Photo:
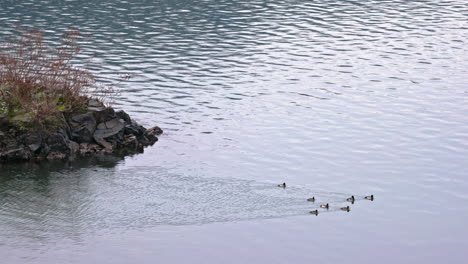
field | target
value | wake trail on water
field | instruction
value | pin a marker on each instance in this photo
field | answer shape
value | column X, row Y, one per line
column 99, row 198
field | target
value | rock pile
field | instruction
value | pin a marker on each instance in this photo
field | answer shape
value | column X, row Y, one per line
column 98, row 130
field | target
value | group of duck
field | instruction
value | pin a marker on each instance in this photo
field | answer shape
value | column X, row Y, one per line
column 327, row 206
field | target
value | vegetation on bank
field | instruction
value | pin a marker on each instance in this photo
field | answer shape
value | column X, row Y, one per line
column 38, row 82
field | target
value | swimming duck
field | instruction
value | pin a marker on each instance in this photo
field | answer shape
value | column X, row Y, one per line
column 315, row 212
column 311, row 199
column 350, row 199
column 370, row 197
column 283, row 185
column 346, row 208
column 324, row 206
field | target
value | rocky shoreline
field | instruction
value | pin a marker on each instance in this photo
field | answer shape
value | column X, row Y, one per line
column 97, row 130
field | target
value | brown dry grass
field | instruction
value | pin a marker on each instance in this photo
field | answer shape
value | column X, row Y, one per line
column 38, row 82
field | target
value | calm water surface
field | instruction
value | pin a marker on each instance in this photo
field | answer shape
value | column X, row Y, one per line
column 333, row 97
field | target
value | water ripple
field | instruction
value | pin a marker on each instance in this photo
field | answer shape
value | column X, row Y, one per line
column 368, row 96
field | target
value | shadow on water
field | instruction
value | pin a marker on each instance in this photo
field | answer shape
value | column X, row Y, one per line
column 45, row 168
column 40, row 199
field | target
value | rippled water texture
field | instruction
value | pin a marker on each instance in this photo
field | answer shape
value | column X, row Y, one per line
column 333, row 97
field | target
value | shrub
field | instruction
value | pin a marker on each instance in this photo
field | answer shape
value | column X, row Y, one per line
column 39, row 82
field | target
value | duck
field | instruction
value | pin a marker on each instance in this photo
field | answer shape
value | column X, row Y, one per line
column 315, row 212
column 370, row 197
column 311, row 199
column 350, row 199
column 324, row 205
column 283, row 185
column 346, row 208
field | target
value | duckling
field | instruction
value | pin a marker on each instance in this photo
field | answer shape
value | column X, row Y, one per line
column 283, row 185
column 346, row 208
column 311, row 199
column 350, row 199
column 315, row 212
column 370, row 197
column 324, row 206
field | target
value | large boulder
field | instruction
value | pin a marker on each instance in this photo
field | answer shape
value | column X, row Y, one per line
column 32, row 140
column 83, row 127
column 107, row 129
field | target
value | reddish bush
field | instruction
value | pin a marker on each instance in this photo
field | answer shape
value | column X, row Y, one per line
column 38, row 81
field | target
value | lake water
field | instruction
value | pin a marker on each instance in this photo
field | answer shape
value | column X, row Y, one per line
column 332, row 97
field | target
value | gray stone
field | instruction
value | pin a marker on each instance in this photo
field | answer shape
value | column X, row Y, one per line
column 112, row 127
column 96, row 109
column 34, row 147
column 103, row 143
column 131, row 130
column 56, row 156
column 89, row 147
column 83, row 118
column 122, row 115
column 114, row 123
column 58, row 142
column 94, row 103
column 74, row 147
column 16, row 154
column 32, row 141
column 103, row 114
column 83, row 127
column 134, row 129
column 109, row 128
column 130, row 142
column 3, row 119
column 101, row 126
column 154, row 130
column 152, row 135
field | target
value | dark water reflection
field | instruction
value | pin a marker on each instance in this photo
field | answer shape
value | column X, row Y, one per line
column 333, row 97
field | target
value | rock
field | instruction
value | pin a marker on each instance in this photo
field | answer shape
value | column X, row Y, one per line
column 45, row 149
column 130, row 142
column 109, row 128
column 152, row 134
column 133, row 128
column 87, row 148
column 31, row 138
column 101, row 130
column 74, row 147
column 94, row 103
column 136, row 130
column 155, row 131
column 87, row 120
column 83, row 127
column 122, row 115
column 34, row 147
column 104, row 143
column 3, row 120
column 16, row 154
column 56, row 156
column 101, row 126
column 58, row 142
column 103, row 114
